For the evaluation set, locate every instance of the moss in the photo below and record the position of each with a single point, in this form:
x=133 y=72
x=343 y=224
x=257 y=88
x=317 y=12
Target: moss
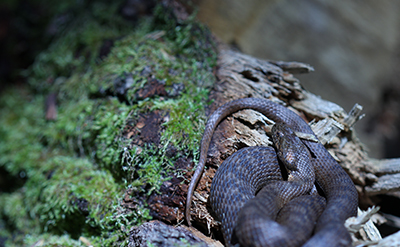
x=52 y=241
x=77 y=47
x=75 y=170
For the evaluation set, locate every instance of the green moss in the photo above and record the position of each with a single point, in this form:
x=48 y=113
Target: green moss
x=49 y=240
x=77 y=47
x=73 y=190
x=77 y=168
x=185 y=127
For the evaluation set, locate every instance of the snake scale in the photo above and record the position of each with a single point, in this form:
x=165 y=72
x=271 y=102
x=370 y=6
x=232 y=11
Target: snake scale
x=337 y=187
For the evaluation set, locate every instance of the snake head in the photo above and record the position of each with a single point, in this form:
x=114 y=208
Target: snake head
x=287 y=145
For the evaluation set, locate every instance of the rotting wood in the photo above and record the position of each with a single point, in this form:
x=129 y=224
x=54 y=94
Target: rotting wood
x=326 y=129
x=385 y=184
x=293 y=67
x=363 y=224
x=387 y=176
x=158 y=233
x=385 y=166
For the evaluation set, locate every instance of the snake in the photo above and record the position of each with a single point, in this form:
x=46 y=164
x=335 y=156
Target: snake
x=252 y=179
x=334 y=183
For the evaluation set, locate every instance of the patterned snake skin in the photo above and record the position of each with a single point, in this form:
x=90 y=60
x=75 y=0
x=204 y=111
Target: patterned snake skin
x=255 y=169
x=339 y=191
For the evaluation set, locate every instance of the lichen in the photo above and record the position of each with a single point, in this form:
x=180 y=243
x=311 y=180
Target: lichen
x=70 y=175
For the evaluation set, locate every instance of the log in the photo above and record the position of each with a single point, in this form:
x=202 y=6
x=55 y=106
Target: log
x=241 y=76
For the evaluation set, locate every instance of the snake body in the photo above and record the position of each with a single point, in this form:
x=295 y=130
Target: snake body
x=256 y=169
x=339 y=190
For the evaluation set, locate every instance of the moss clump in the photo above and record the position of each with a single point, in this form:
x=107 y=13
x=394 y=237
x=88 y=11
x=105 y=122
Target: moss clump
x=71 y=173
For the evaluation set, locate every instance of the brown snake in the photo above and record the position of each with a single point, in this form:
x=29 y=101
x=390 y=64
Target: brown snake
x=339 y=190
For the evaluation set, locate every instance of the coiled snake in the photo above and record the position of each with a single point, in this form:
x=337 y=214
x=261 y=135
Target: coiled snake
x=337 y=187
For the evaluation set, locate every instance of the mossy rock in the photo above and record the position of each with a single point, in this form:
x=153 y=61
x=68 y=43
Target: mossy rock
x=67 y=176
